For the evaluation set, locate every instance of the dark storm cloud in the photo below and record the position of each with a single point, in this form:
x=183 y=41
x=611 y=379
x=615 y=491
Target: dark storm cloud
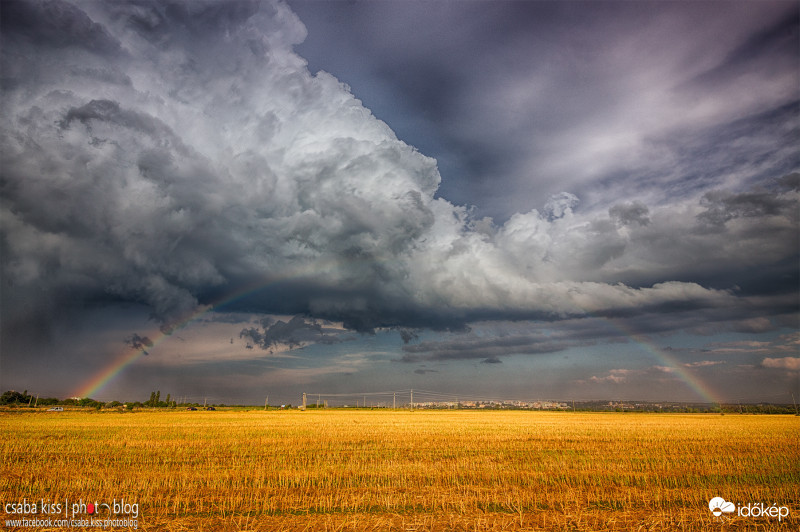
x=295 y=333
x=538 y=93
x=745 y=240
x=109 y=113
x=539 y=338
x=135 y=341
x=790 y=181
x=58 y=23
x=140 y=195
x=175 y=153
x=408 y=335
x=490 y=349
x=723 y=206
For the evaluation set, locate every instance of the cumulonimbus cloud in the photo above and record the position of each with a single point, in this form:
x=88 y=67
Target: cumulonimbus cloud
x=172 y=153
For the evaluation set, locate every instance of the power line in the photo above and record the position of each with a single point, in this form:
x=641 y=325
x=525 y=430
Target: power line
x=382 y=397
x=353 y=394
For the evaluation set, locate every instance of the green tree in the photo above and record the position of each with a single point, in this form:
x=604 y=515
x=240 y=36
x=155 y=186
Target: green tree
x=88 y=401
x=13 y=397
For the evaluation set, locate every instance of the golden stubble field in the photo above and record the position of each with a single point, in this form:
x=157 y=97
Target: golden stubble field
x=407 y=471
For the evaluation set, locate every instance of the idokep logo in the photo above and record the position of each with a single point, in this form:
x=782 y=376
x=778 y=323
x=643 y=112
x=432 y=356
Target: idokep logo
x=720 y=506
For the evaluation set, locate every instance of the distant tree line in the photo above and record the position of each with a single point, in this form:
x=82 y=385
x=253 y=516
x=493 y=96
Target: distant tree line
x=17 y=399
x=14 y=398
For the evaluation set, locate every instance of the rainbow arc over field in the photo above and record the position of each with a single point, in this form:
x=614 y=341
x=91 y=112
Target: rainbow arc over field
x=701 y=388
x=131 y=355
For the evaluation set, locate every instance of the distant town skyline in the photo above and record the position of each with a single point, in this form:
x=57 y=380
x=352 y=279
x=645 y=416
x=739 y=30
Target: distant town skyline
x=525 y=200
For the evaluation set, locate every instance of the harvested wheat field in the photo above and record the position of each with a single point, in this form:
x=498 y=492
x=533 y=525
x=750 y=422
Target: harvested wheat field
x=398 y=470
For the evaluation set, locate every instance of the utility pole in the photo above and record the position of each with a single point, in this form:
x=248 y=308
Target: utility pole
x=37 y=401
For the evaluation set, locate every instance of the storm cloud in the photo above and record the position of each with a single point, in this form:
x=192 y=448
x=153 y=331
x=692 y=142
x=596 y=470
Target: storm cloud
x=135 y=341
x=294 y=333
x=600 y=100
x=174 y=155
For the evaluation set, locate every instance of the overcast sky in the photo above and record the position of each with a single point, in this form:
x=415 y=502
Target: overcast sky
x=528 y=200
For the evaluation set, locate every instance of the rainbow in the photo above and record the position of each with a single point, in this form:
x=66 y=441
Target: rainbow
x=703 y=390
x=104 y=377
x=131 y=355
